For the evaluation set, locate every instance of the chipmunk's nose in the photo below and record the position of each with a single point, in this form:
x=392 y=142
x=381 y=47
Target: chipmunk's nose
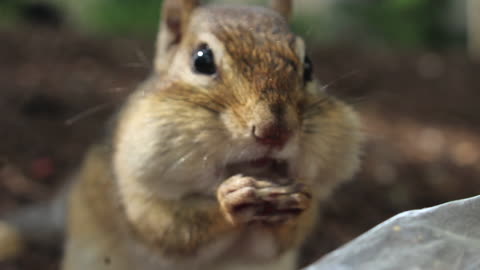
x=272 y=134
x=273 y=124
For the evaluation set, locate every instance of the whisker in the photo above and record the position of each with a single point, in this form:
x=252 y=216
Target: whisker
x=142 y=60
x=135 y=65
x=204 y=106
x=180 y=160
x=356 y=100
x=311 y=114
x=343 y=77
x=142 y=57
x=317 y=103
x=225 y=160
x=205 y=159
x=87 y=113
x=212 y=99
x=311 y=128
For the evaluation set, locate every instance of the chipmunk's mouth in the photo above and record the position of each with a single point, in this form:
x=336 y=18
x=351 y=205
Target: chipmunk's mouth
x=266 y=168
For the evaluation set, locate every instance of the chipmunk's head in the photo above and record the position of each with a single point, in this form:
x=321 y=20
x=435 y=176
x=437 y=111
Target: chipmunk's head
x=242 y=61
x=235 y=94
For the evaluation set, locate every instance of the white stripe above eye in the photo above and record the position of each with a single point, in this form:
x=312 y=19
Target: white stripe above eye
x=300 y=51
x=300 y=48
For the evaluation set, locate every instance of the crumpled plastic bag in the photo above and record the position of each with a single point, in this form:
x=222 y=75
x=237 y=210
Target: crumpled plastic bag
x=444 y=237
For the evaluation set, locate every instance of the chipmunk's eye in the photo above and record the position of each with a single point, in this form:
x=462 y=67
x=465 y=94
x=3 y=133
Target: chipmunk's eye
x=203 y=60
x=307 y=70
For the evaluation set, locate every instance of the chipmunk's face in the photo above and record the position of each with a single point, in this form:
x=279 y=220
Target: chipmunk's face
x=237 y=98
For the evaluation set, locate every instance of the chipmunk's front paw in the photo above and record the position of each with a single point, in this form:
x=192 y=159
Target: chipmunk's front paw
x=246 y=199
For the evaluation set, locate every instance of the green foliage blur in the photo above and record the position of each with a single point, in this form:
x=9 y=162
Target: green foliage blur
x=124 y=17
x=394 y=23
x=8 y=13
x=98 y=17
x=406 y=23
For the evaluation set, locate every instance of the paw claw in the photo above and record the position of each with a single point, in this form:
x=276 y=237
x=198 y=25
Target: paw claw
x=245 y=200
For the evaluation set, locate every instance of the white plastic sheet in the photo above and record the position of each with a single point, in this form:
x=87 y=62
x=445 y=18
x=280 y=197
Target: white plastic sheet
x=444 y=237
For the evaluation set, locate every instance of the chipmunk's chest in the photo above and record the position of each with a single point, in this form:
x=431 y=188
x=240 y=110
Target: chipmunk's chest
x=256 y=244
x=250 y=249
x=254 y=248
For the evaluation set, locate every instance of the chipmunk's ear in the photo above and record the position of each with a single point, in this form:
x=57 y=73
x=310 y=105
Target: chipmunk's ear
x=175 y=18
x=284 y=7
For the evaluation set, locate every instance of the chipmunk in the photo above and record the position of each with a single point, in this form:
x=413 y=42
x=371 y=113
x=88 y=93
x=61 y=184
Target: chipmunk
x=221 y=158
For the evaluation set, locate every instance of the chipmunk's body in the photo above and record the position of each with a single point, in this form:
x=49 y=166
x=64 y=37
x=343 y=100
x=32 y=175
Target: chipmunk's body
x=219 y=159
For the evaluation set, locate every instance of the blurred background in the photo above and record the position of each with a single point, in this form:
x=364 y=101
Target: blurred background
x=411 y=67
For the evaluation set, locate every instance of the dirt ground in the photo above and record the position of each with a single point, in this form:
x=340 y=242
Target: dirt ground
x=420 y=111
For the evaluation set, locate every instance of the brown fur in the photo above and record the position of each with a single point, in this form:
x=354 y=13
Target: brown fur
x=283 y=7
x=162 y=193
